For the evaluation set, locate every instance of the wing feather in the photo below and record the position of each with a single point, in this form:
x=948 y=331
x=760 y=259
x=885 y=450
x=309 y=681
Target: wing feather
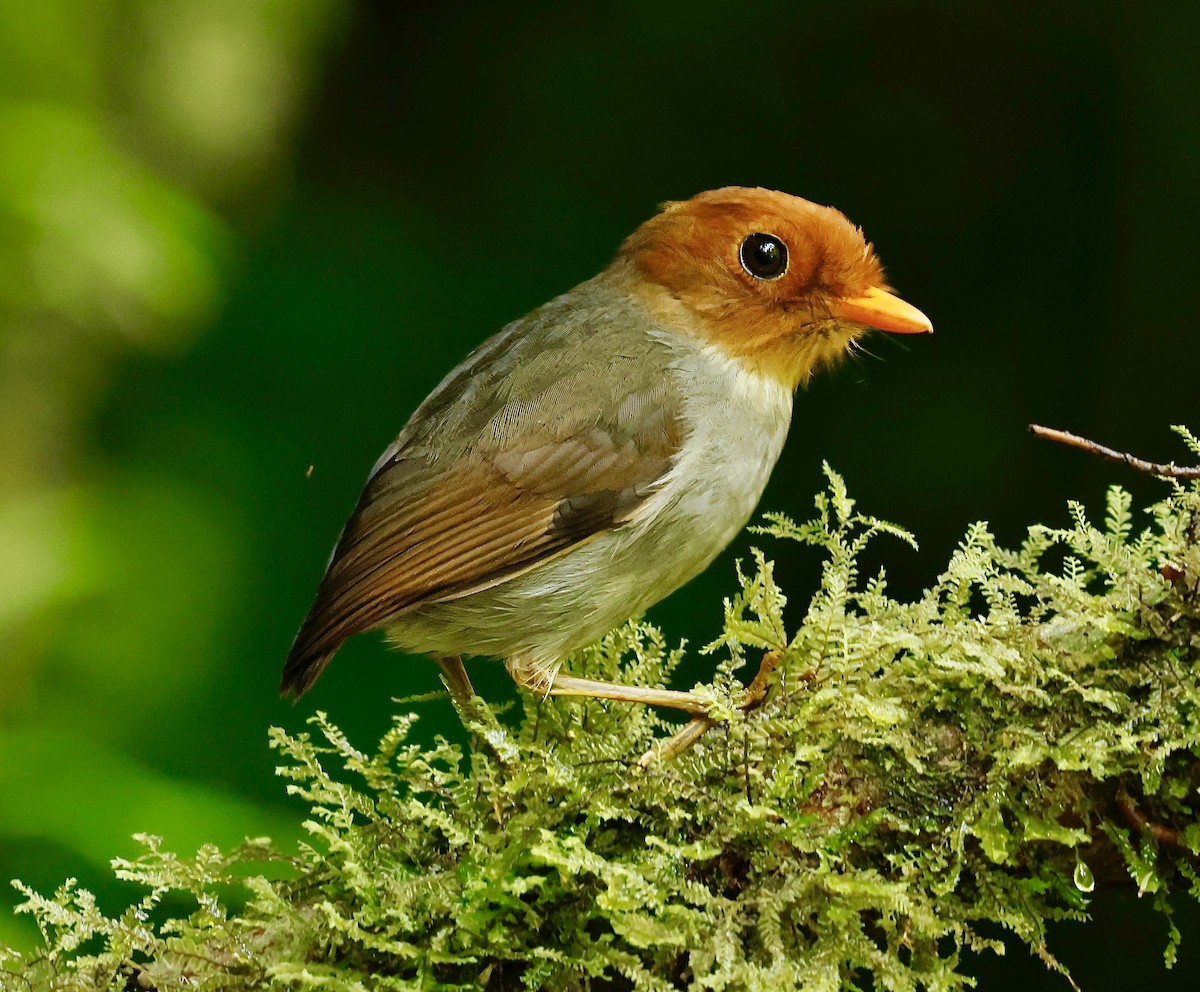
x=563 y=445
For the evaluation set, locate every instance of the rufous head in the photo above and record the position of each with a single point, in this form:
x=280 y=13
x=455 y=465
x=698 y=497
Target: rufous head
x=776 y=281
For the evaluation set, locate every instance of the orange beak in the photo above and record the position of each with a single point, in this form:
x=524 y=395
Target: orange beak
x=883 y=311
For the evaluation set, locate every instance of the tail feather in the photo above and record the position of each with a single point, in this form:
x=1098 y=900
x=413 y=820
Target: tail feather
x=306 y=661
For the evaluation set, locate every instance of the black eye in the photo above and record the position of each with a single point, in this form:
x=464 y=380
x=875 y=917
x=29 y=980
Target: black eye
x=764 y=256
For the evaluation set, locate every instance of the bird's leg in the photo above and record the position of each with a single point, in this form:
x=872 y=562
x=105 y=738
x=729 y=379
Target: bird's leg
x=570 y=685
x=455 y=679
x=537 y=679
x=699 y=725
x=470 y=708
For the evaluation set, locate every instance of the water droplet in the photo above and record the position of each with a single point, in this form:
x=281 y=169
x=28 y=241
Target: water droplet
x=1085 y=881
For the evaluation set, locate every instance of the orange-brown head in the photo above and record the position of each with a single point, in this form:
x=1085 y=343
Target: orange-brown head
x=771 y=279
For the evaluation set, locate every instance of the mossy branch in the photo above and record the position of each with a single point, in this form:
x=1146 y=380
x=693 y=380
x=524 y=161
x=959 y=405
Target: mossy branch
x=984 y=755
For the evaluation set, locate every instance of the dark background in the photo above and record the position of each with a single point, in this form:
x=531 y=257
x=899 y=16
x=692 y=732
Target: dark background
x=240 y=240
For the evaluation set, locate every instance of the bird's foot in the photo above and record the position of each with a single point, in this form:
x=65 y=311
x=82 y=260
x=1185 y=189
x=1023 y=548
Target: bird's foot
x=752 y=697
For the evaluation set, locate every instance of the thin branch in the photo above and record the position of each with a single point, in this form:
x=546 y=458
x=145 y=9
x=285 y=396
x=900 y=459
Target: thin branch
x=1141 y=822
x=1171 y=471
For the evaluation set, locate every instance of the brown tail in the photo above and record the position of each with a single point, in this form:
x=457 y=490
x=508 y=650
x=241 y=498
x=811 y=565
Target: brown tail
x=311 y=652
x=300 y=672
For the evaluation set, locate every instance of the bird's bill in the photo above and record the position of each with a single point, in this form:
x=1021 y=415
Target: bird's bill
x=883 y=311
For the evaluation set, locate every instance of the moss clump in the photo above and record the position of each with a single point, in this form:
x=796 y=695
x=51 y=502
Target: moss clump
x=920 y=770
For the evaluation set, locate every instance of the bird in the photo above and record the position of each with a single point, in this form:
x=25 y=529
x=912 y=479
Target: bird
x=596 y=454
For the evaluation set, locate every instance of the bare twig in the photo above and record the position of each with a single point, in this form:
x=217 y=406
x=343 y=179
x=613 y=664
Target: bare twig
x=1141 y=822
x=1171 y=471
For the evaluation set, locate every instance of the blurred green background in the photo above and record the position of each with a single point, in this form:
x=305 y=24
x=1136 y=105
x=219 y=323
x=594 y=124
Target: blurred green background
x=240 y=240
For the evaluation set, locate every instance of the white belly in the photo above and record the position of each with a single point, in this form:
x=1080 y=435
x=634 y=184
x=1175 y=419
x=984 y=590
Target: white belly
x=737 y=422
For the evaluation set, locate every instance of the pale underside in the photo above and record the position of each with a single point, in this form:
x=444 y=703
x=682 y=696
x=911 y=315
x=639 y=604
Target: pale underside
x=551 y=453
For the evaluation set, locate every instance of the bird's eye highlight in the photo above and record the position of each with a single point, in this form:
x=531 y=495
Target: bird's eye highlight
x=764 y=256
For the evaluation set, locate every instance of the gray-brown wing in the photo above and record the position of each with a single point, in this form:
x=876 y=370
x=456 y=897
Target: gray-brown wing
x=568 y=445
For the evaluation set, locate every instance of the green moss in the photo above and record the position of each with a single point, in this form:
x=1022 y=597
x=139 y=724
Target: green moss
x=921 y=771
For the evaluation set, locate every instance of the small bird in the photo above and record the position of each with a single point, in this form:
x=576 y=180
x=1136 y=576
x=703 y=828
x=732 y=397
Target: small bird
x=598 y=453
